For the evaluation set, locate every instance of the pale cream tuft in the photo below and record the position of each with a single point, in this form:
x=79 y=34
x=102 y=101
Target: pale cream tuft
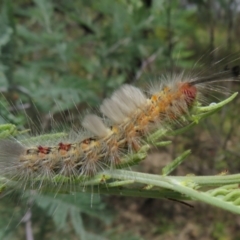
x=94 y=124
x=123 y=102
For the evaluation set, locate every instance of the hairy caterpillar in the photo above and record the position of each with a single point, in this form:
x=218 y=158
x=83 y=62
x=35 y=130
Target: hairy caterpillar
x=128 y=116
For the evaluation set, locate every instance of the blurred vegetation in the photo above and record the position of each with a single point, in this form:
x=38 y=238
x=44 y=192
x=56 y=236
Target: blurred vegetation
x=59 y=57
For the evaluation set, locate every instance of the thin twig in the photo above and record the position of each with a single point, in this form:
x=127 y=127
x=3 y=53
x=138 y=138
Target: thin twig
x=27 y=220
x=145 y=63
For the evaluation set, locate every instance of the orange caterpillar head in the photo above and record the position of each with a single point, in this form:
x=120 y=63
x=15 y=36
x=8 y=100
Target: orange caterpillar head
x=189 y=91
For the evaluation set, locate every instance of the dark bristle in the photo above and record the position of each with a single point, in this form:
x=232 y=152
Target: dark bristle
x=233 y=72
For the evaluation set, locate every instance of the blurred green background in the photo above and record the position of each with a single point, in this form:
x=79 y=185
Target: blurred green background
x=60 y=57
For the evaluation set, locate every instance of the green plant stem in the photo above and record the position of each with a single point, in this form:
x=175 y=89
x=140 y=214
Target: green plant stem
x=201 y=181
x=177 y=184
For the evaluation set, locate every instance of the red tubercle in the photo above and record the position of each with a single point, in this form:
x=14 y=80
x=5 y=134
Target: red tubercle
x=44 y=150
x=64 y=146
x=190 y=92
